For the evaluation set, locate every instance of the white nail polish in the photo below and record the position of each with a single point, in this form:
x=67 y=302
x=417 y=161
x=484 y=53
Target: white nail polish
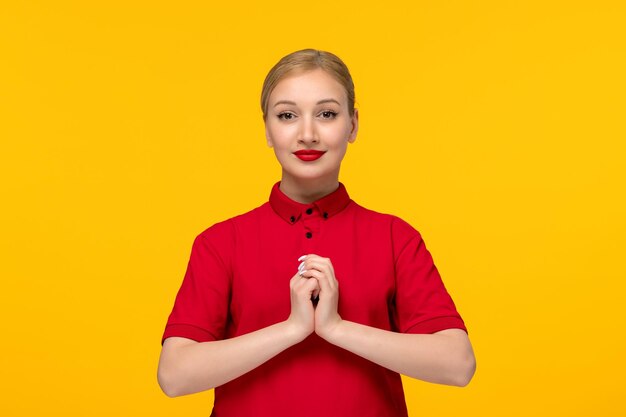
x=301 y=266
x=302 y=257
x=302 y=272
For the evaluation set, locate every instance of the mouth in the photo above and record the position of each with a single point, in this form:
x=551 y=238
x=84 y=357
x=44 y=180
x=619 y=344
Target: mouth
x=309 y=154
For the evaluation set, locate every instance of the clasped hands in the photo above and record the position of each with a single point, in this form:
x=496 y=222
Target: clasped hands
x=315 y=278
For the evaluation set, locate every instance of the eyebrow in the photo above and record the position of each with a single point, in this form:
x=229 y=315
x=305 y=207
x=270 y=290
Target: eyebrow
x=326 y=100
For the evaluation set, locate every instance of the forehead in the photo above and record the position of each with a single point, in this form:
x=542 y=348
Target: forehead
x=308 y=85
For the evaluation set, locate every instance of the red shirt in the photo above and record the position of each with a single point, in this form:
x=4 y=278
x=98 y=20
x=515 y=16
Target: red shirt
x=237 y=281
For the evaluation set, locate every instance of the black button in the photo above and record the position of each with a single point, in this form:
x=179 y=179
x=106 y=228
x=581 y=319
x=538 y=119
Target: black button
x=309 y=211
x=325 y=215
x=293 y=219
x=309 y=235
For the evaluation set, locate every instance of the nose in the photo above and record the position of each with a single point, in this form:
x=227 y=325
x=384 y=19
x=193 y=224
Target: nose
x=308 y=132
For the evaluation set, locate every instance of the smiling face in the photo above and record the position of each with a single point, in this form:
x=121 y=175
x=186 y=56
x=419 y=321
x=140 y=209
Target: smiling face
x=309 y=126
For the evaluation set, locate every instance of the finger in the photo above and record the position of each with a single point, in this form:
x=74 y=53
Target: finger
x=316 y=258
x=310 y=286
x=311 y=273
x=316 y=291
x=323 y=279
x=302 y=260
x=323 y=268
x=298 y=283
x=300 y=279
x=325 y=283
x=293 y=280
x=312 y=257
x=315 y=264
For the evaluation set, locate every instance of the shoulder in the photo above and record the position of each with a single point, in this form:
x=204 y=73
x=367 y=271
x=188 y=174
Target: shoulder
x=397 y=226
x=398 y=234
x=227 y=229
x=219 y=241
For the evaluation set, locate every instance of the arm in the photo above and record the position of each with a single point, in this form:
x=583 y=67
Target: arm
x=186 y=366
x=445 y=357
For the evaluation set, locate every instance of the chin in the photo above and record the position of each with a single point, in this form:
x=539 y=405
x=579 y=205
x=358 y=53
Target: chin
x=308 y=174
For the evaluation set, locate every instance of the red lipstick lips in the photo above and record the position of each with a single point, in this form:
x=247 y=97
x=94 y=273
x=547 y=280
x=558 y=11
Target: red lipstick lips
x=309 y=154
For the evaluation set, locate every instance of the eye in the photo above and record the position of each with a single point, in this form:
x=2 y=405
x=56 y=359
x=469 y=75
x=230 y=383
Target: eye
x=286 y=115
x=328 y=114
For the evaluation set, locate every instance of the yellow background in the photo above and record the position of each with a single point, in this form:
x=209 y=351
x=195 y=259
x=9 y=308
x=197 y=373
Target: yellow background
x=496 y=128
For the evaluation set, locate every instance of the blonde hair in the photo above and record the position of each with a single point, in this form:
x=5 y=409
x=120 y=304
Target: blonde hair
x=307 y=60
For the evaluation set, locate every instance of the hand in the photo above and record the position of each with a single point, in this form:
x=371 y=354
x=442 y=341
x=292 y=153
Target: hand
x=326 y=315
x=302 y=316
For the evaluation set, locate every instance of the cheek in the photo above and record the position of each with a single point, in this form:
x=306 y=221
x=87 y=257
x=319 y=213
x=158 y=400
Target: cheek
x=276 y=139
x=281 y=134
x=339 y=136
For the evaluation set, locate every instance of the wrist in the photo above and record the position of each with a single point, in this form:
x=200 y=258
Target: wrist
x=332 y=334
x=294 y=332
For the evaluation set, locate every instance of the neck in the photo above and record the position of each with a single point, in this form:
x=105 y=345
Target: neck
x=307 y=190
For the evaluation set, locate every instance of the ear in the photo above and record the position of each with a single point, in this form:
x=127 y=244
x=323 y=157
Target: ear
x=355 y=126
x=268 y=138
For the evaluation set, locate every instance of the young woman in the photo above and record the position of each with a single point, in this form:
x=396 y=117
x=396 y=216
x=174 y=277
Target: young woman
x=310 y=304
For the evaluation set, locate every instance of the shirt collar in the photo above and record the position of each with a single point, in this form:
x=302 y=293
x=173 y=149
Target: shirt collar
x=291 y=210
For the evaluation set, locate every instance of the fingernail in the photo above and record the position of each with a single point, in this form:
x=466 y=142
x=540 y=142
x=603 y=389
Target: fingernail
x=301 y=266
x=302 y=257
x=302 y=272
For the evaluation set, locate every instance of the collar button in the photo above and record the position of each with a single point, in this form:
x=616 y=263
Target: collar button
x=292 y=219
x=309 y=211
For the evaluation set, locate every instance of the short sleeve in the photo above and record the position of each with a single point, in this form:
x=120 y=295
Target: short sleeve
x=201 y=306
x=422 y=303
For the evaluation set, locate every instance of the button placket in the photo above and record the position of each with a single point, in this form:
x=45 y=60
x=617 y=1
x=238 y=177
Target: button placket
x=311 y=223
